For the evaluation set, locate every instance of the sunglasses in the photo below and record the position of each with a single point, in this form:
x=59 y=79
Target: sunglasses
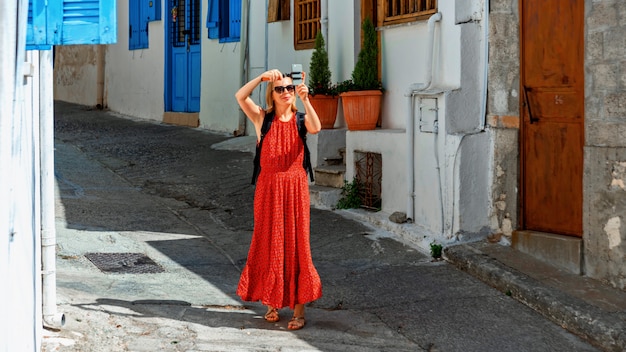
x=280 y=89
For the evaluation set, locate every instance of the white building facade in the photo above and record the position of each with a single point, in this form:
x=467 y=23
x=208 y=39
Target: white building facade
x=454 y=117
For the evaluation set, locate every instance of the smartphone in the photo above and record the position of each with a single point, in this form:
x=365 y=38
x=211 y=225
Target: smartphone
x=296 y=73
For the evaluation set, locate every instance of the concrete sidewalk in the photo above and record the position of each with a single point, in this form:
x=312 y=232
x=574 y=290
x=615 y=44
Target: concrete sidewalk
x=168 y=195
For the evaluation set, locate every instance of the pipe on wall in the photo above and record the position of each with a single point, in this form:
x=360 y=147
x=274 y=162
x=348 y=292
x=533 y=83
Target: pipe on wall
x=46 y=158
x=483 y=106
x=100 y=99
x=414 y=89
x=324 y=22
x=244 y=61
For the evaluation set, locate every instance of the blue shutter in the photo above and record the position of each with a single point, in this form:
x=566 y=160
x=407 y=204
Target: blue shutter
x=36 y=28
x=230 y=16
x=71 y=22
x=213 y=19
x=153 y=10
x=140 y=13
x=234 y=17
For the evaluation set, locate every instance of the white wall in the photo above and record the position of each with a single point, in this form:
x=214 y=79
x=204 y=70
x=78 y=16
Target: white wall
x=134 y=79
x=20 y=206
x=76 y=81
x=451 y=182
x=221 y=72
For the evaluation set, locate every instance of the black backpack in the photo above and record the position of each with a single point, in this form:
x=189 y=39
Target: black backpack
x=267 y=123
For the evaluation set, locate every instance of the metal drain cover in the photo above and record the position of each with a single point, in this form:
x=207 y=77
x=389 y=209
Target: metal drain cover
x=124 y=263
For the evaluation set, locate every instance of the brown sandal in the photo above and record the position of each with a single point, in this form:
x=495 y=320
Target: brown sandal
x=272 y=315
x=296 y=323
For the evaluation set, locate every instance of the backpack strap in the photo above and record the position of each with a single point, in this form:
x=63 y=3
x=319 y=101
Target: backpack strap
x=306 y=163
x=267 y=123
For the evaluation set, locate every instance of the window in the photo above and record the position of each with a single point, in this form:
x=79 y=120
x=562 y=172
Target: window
x=224 y=20
x=184 y=22
x=140 y=13
x=70 y=22
x=399 y=11
x=278 y=10
x=307 y=23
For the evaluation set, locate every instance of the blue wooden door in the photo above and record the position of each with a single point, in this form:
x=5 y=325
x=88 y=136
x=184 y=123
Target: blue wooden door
x=184 y=56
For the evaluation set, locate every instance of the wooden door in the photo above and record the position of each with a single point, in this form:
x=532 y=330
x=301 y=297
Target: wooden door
x=552 y=112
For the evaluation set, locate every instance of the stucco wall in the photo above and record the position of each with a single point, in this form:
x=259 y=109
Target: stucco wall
x=134 y=79
x=77 y=79
x=605 y=142
x=221 y=78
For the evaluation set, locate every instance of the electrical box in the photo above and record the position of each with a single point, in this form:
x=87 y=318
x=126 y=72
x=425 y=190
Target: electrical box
x=428 y=115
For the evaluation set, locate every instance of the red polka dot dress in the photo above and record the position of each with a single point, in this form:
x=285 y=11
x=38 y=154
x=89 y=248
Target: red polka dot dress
x=279 y=271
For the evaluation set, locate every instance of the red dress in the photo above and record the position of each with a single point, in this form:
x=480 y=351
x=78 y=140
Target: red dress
x=279 y=271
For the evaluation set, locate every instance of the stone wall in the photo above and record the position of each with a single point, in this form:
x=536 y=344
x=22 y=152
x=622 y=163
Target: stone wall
x=605 y=141
x=503 y=114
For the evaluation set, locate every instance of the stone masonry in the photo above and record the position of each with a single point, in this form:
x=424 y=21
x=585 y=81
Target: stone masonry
x=605 y=142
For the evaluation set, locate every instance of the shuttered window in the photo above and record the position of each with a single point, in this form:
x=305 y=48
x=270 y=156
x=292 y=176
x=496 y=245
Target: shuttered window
x=307 y=23
x=70 y=22
x=400 y=11
x=140 y=14
x=224 y=20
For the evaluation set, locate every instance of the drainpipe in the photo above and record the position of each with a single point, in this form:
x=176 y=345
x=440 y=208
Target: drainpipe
x=324 y=21
x=410 y=124
x=244 y=63
x=100 y=101
x=481 y=126
x=46 y=154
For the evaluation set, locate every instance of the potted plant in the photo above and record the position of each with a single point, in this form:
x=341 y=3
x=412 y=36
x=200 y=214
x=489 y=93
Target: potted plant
x=362 y=95
x=323 y=95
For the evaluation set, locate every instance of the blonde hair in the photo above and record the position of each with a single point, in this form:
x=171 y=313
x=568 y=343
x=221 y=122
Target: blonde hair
x=269 y=99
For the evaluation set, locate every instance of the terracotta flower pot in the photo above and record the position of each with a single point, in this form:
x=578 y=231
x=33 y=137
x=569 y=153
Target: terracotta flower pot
x=326 y=108
x=361 y=109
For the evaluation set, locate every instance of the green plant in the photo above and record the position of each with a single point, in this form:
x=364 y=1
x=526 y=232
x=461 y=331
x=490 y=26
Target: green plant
x=365 y=73
x=351 y=195
x=320 y=75
x=435 y=250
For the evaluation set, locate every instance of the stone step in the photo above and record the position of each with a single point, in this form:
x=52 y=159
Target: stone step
x=323 y=197
x=335 y=160
x=330 y=175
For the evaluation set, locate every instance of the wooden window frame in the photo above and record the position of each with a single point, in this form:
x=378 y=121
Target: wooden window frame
x=278 y=10
x=307 y=16
x=392 y=12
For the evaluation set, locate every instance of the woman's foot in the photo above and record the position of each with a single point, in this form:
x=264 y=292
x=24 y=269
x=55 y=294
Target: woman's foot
x=272 y=315
x=296 y=323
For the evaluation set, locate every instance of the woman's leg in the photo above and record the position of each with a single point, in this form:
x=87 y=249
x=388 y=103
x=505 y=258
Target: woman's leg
x=272 y=315
x=297 y=322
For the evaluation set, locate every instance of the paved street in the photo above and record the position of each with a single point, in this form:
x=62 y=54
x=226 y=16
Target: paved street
x=181 y=199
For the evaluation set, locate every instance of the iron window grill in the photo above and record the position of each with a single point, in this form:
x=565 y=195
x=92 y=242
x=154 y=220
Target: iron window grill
x=185 y=22
x=369 y=173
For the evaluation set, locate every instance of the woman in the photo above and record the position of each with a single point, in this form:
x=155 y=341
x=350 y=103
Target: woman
x=279 y=271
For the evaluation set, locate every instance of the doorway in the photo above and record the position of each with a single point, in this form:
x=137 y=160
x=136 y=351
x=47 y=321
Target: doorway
x=183 y=57
x=552 y=116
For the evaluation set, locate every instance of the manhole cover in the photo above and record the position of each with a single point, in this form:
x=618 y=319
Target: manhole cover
x=124 y=263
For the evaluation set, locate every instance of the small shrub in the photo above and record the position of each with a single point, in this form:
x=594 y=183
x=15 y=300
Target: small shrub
x=320 y=75
x=351 y=195
x=365 y=74
x=435 y=250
